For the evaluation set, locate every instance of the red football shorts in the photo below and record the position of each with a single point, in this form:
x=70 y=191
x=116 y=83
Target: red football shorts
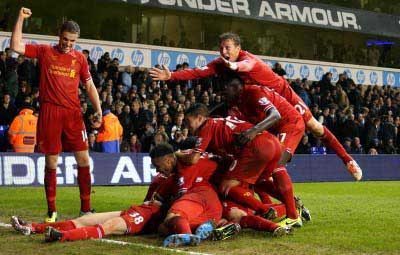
x=290 y=134
x=60 y=129
x=298 y=103
x=264 y=150
x=199 y=205
x=142 y=218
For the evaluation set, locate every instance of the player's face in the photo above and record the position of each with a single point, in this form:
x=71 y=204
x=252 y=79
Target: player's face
x=232 y=92
x=67 y=41
x=194 y=122
x=164 y=165
x=229 y=50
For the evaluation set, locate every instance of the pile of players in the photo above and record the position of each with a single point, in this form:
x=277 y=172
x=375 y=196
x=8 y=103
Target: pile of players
x=209 y=191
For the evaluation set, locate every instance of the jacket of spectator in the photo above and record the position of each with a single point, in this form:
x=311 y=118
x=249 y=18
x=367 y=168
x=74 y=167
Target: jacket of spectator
x=22 y=132
x=110 y=133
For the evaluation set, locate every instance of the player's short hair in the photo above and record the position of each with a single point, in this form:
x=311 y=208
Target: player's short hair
x=232 y=78
x=230 y=36
x=71 y=27
x=161 y=150
x=197 y=109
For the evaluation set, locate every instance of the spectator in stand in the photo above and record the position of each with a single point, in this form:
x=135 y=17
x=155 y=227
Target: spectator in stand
x=278 y=69
x=304 y=146
x=134 y=144
x=373 y=151
x=126 y=79
x=22 y=131
x=318 y=148
x=93 y=145
x=389 y=148
x=3 y=66
x=347 y=144
x=325 y=84
x=7 y=110
x=110 y=132
x=357 y=147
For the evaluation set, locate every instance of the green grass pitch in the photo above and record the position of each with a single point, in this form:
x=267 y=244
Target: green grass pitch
x=348 y=218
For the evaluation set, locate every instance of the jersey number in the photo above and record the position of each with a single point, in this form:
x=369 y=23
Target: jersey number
x=301 y=107
x=137 y=218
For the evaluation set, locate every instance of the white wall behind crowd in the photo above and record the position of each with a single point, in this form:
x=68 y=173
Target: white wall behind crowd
x=148 y=56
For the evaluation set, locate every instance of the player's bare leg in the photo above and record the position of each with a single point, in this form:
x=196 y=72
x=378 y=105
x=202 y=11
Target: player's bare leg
x=115 y=225
x=84 y=180
x=50 y=185
x=331 y=141
x=28 y=228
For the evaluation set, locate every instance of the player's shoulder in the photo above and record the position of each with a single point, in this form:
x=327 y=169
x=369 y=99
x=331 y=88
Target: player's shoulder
x=79 y=55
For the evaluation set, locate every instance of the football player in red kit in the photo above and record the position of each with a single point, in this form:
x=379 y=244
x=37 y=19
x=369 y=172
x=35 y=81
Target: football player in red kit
x=218 y=136
x=137 y=219
x=253 y=70
x=197 y=207
x=60 y=124
x=253 y=104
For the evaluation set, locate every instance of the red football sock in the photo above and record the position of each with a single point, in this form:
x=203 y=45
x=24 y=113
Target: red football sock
x=61 y=225
x=244 y=196
x=280 y=210
x=266 y=188
x=178 y=225
x=332 y=142
x=257 y=223
x=285 y=188
x=95 y=232
x=84 y=182
x=50 y=186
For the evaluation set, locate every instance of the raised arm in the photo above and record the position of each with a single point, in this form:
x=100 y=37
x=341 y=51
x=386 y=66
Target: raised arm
x=16 y=37
x=187 y=74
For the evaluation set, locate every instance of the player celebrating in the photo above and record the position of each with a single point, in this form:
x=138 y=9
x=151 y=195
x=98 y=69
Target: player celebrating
x=60 y=124
x=137 y=219
x=253 y=70
x=217 y=135
x=253 y=104
x=198 y=204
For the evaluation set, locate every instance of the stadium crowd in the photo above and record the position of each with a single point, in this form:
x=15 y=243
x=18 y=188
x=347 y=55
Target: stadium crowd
x=366 y=119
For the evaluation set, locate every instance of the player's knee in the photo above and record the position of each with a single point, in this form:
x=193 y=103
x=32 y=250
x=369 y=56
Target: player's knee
x=236 y=214
x=51 y=161
x=170 y=216
x=315 y=127
x=82 y=158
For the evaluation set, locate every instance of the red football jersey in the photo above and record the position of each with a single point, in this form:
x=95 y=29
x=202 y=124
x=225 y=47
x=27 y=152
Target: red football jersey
x=162 y=188
x=191 y=176
x=255 y=101
x=216 y=135
x=60 y=74
x=251 y=69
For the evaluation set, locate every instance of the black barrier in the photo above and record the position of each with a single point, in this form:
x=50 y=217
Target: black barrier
x=291 y=12
x=136 y=169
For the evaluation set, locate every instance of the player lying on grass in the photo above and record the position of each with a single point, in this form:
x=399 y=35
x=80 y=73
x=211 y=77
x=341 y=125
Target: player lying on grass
x=147 y=217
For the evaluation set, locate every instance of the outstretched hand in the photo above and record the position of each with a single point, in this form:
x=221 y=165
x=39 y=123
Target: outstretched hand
x=231 y=65
x=160 y=74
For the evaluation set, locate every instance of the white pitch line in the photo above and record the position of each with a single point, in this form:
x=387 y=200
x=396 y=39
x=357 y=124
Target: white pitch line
x=5 y=225
x=151 y=247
